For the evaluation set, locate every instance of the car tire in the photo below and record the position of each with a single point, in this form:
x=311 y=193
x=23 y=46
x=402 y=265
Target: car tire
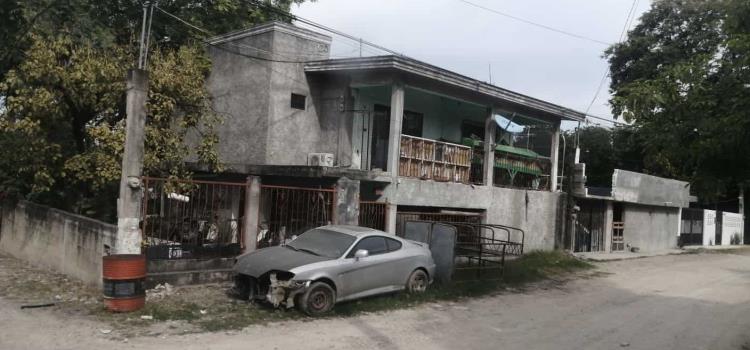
x=318 y=299
x=417 y=282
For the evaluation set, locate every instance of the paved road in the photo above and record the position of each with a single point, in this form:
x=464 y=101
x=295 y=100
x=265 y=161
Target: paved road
x=669 y=302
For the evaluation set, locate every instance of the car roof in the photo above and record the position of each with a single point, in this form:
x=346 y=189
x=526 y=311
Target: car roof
x=356 y=231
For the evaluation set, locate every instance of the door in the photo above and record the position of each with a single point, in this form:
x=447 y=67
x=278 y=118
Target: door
x=381 y=123
x=366 y=274
x=618 y=228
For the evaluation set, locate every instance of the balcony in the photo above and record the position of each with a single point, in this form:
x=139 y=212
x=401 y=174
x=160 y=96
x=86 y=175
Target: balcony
x=434 y=160
x=514 y=167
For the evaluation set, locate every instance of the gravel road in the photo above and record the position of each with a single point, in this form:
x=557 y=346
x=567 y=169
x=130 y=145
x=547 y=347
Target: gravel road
x=692 y=301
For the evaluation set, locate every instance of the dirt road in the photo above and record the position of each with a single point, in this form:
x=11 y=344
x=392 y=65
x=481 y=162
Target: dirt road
x=695 y=301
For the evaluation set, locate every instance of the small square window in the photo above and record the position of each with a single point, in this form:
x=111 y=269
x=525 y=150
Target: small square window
x=298 y=101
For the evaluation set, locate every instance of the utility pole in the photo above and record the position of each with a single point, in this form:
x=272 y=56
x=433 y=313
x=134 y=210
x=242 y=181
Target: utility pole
x=128 y=239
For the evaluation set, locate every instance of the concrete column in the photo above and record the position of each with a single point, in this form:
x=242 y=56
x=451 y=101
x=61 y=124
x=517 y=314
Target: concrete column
x=394 y=137
x=608 y=219
x=251 y=222
x=128 y=240
x=390 y=218
x=555 y=144
x=347 y=202
x=489 y=148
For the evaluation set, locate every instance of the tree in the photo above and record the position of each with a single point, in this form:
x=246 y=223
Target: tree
x=62 y=104
x=681 y=79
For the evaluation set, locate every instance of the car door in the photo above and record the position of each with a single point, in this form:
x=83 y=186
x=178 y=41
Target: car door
x=368 y=273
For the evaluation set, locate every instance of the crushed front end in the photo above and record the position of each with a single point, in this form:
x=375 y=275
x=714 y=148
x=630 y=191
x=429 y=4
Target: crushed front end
x=278 y=288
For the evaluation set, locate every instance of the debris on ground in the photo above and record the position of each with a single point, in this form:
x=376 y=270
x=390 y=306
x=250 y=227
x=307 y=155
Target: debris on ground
x=105 y=331
x=35 y=306
x=159 y=292
x=147 y=317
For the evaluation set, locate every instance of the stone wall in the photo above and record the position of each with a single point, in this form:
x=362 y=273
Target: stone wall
x=55 y=239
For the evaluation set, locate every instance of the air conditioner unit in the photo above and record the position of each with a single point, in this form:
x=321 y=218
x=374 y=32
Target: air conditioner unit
x=320 y=159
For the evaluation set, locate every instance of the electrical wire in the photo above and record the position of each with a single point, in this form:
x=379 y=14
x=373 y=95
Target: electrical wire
x=543 y=26
x=628 y=22
x=204 y=31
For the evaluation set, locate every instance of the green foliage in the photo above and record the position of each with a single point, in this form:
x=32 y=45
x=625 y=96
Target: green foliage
x=681 y=78
x=604 y=150
x=62 y=94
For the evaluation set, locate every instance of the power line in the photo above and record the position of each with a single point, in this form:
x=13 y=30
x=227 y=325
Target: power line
x=628 y=22
x=543 y=26
x=204 y=31
x=320 y=26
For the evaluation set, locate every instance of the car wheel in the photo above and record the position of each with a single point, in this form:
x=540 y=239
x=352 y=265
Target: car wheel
x=417 y=282
x=318 y=299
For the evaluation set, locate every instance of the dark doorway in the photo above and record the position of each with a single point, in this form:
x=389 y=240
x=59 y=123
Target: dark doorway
x=381 y=122
x=719 y=224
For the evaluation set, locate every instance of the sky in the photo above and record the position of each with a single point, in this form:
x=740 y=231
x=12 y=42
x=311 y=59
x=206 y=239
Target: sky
x=468 y=40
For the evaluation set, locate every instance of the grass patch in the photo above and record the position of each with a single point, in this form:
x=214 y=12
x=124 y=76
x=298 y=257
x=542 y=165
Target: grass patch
x=532 y=267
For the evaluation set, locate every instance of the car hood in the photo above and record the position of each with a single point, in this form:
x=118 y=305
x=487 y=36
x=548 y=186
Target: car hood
x=274 y=258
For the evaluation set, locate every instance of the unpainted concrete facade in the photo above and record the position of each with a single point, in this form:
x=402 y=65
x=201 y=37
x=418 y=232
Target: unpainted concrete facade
x=255 y=71
x=650 y=209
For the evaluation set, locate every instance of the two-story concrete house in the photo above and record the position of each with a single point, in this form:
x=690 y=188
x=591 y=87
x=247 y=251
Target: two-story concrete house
x=398 y=138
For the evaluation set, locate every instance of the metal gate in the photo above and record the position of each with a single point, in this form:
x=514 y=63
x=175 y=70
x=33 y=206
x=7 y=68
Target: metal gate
x=403 y=217
x=191 y=219
x=372 y=214
x=286 y=212
x=590 y=226
x=691 y=230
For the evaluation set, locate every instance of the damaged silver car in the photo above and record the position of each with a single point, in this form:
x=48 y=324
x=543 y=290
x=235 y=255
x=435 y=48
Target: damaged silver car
x=331 y=264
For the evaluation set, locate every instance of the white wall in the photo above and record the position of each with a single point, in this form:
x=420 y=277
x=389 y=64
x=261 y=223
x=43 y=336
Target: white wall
x=709 y=227
x=731 y=226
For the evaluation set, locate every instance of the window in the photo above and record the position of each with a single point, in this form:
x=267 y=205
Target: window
x=393 y=245
x=374 y=245
x=412 y=124
x=298 y=101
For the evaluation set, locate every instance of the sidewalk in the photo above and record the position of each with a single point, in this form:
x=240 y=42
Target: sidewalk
x=625 y=255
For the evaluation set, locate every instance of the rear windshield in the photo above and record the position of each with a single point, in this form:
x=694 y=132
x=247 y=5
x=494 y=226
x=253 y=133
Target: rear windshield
x=323 y=242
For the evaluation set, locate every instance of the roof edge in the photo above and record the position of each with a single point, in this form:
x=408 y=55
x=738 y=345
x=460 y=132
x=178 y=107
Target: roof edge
x=424 y=69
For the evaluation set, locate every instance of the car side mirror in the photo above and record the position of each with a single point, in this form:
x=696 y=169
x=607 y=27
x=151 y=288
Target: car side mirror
x=361 y=253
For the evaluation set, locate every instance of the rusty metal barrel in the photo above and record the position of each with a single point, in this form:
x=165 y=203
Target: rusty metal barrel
x=124 y=276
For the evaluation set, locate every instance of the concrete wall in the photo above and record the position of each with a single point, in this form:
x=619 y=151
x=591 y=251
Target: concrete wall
x=251 y=90
x=709 y=227
x=731 y=227
x=632 y=187
x=651 y=228
x=57 y=240
x=535 y=212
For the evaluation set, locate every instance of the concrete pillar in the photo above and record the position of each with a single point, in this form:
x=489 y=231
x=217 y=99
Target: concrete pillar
x=390 y=218
x=251 y=222
x=394 y=136
x=608 y=220
x=553 y=157
x=489 y=148
x=128 y=240
x=347 y=202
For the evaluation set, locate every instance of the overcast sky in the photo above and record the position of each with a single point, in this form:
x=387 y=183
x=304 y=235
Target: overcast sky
x=466 y=39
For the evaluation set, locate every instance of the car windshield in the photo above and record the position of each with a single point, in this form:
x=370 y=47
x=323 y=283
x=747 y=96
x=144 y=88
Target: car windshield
x=323 y=242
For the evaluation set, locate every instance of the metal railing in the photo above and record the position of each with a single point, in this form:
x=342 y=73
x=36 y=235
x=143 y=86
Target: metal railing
x=372 y=214
x=286 y=212
x=403 y=217
x=434 y=160
x=192 y=219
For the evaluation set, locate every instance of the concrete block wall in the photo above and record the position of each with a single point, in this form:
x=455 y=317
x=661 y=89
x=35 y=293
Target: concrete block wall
x=535 y=212
x=55 y=239
x=651 y=228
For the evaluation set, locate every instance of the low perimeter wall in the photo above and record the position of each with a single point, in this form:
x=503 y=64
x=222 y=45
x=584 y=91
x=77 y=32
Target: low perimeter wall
x=55 y=239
